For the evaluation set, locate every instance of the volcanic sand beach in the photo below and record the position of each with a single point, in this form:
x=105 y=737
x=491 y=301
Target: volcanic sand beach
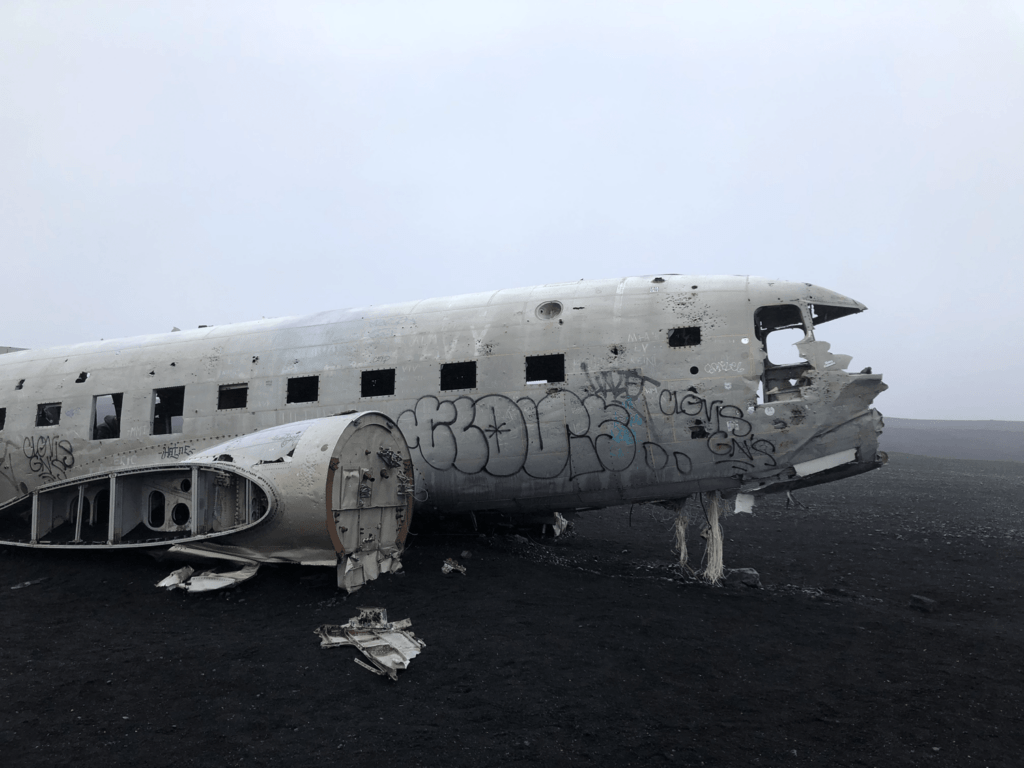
x=588 y=651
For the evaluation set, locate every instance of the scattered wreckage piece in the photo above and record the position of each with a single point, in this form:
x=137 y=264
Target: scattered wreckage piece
x=30 y=583
x=389 y=646
x=451 y=565
x=207 y=581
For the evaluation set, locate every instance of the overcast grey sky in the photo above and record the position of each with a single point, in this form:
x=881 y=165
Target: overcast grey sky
x=176 y=164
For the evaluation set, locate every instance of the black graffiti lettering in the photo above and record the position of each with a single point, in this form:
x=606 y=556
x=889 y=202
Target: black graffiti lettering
x=765 y=448
x=655 y=456
x=615 y=385
x=729 y=432
x=504 y=439
x=720 y=444
x=683 y=462
x=594 y=433
x=735 y=423
x=49 y=457
x=472 y=450
x=549 y=426
x=174 y=451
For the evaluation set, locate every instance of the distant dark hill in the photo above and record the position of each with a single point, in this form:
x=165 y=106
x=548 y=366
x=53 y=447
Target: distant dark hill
x=984 y=440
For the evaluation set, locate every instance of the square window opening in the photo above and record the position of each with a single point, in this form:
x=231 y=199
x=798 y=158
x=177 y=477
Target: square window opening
x=106 y=416
x=48 y=414
x=545 y=369
x=684 y=337
x=303 y=389
x=231 y=396
x=168 y=410
x=378 y=383
x=458 y=376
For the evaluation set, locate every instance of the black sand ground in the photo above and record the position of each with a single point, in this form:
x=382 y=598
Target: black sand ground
x=582 y=653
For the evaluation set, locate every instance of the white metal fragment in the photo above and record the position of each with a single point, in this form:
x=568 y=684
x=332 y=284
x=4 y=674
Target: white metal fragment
x=388 y=645
x=744 y=503
x=24 y=584
x=451 y=564
x=208 y=581
x=176 y=578
x=805 y=468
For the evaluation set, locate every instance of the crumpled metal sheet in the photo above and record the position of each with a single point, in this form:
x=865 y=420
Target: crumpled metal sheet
x=207 y=581
x=450 y=565
x=389 y=646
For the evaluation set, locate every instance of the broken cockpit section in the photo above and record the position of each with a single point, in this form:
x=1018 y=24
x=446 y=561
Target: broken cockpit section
x=817 y=412
x=792 y=355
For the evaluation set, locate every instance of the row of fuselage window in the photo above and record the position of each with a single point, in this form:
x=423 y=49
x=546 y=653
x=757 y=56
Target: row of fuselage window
x=169 y=402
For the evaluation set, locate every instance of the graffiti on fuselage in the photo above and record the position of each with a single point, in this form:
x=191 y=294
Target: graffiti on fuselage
x=728 y=434
x=501 y=437
x=616 y=385
x=590 y=433
x=49 y=457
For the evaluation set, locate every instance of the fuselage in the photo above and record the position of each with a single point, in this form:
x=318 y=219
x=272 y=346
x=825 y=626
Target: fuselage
x=553 y=397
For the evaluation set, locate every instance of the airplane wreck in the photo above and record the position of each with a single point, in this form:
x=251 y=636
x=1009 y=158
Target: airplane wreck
x=315 y=439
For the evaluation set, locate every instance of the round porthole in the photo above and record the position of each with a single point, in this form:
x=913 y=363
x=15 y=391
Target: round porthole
x=180 y=514
x=549 y=310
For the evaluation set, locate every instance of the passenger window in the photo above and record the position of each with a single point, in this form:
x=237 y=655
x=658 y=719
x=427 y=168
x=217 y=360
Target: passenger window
x=106 y=416
x=684 y=337
x=3 y=417
x=168 y=410
x=378 y=383
x=157 y=507
x=232 y=396
x=303 y=389
x=458 y=376
x=48 y=414
x=545 y=369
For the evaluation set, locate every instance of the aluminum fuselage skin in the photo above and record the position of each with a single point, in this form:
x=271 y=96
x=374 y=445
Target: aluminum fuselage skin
x=635 y=419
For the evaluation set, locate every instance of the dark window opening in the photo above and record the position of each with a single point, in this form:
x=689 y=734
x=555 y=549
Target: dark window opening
x=48 y=414
x=777 y=318
x=822 y=313
x=378 y=383
x=168 y=410
x=180 y=514
x=698 y=431
x=684 y=337
x=96 y=520
x=3 y=417
x=106 y=420
x=458 y=375
x=156 y=510
x=780 y=328
x=304 y=389
x=232 y=396
x=73 y=508
x=785 y=324
x=544 y=369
